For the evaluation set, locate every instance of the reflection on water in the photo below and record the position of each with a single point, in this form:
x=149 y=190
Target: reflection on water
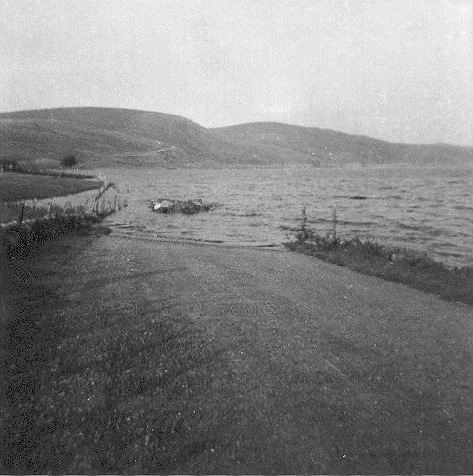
x=426 y=209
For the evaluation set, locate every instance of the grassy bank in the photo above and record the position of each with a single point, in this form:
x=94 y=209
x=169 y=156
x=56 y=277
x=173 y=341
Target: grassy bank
x=392 y=264
x=18 y=241
x=96 y=206
x=19 y=186
x=24 y=227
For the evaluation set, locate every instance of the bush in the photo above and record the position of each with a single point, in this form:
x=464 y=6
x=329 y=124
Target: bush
x=69 y=161
x=8 y=164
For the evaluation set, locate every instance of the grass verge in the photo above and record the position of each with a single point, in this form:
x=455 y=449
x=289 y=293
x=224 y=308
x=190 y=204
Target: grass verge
x=17 y=212
x=39 y=224
x=391 y=264
x=18 y=241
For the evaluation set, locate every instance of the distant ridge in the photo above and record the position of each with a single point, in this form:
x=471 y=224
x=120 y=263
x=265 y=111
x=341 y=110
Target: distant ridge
x=338 y=148
x=102 y=137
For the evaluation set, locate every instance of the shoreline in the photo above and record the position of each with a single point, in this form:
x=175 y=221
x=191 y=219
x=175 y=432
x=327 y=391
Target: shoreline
x=404 y=266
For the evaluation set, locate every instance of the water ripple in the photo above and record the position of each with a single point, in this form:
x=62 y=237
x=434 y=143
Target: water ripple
x=419 y=208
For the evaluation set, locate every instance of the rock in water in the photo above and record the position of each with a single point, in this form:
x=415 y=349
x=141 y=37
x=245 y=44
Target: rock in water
x=163 y=206
x=187 y=207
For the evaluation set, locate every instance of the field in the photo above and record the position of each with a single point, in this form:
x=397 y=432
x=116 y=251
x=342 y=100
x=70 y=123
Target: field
x=15 y=186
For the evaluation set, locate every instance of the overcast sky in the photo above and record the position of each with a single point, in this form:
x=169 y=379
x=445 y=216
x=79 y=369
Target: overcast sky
x=400 y=70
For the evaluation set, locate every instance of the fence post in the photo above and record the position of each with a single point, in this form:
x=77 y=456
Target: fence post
x=22 y=212
x=304 y=219
x=334 y=220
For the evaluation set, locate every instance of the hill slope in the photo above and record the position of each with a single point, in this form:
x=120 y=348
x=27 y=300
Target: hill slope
x=103 y=136
x=329 y=147
x=123 y=137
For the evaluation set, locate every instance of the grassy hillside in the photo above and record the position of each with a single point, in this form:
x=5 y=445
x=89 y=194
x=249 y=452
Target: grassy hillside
x=123 y=137
x=331 y=147
x=99 y=136
x=106 y=137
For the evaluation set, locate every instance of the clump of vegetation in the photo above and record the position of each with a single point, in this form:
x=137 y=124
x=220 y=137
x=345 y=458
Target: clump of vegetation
x=390 y=263
x=19 y=240
x=187 y=207
x=69 y=161
x=9 y=164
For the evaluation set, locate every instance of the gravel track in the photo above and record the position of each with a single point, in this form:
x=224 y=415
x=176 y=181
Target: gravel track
x=152 y=357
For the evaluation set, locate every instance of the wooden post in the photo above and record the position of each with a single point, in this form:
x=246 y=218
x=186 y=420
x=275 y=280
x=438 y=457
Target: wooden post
x=334 y=219
x=304 y=219
x=22 y=212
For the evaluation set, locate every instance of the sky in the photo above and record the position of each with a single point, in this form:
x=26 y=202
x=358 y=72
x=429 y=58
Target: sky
x=398 y=70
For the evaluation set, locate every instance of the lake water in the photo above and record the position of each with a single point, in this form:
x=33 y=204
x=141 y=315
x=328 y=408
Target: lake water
x=428 y=210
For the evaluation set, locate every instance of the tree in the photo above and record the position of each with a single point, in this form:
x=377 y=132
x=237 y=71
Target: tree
x=8 y=164
x=69 y=161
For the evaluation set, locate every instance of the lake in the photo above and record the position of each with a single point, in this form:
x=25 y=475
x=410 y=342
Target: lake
x=429 y=210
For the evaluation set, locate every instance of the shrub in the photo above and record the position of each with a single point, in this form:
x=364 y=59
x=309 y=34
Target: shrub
x=9 y=164
x=69 y=161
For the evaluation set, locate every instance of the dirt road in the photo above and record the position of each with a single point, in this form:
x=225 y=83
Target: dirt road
x=164 y=357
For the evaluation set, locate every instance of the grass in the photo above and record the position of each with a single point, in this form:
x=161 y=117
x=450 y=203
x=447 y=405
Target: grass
x=389 y=263
x=35 y=225
x=19 y=212
x=18 y=241
x=19 y=186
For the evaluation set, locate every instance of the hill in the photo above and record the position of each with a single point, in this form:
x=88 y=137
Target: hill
x=103 y=137
x=330 y=147
x=122 y=137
